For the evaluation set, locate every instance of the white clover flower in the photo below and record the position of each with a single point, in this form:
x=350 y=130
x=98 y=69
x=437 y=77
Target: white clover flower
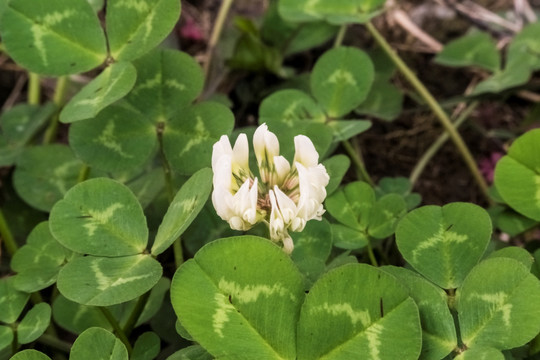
x=285 y=198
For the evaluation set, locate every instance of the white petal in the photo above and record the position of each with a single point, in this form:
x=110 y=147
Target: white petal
x=222 y=147
x=286 y=206
x=266 y=146
x=241 y=152
x=305 y=152
x=282 y=168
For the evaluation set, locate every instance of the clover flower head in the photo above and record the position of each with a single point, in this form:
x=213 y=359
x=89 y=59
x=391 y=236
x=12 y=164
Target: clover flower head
x=285 y=197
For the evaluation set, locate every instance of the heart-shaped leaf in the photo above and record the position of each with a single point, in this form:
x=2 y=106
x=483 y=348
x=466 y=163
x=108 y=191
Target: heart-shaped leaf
x=38 y=262
x=30 y=354
x=444 y=243
x=103 y=281
x=34 y=323
x=185 y=206
x=110 y=347
x=117 y=139
x=338 y=12
x=53 y=37
x=480 y=353
x=135 y=27
x=438 y=330
x=6 y=337
x=357 y=309
x=341 y=80
x=189 y=136
x=494 y=305
x=100 y=217
x=109 y=86
x=12 y=301
x=517 y=175
x=239 y=298
x=477 y=49
x=146 y=347
x=352 y=204
x=167 y=81
x=44 y=174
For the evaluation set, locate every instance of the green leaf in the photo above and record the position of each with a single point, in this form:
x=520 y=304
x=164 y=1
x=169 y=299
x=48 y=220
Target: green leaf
x=494 y=305
x=44 y=174
x=346 y=129
x=190 y=135
x=385 y=214
x=510 y=77
x=53 y=37
x=185 y=206
x=12 y=301
x=38 y=262
x=134 y=27
x=474 y=49
x=146 y=347
x=444 y=243
x=348 y=238
x=524 y=50
x=34 y=323
x=75 y=317
x=480 y=353
x=513 y=252
x=384 y=101
x=337 y=167
x=19 y=124
x=341 y=80
x=239 y=298
x=6 y=337
x=102 y=281
x=357 y=309
x=97 y=343
x=517 y=175
x=167 y=80
x=352 y=204
x=338 y=12
x=147 y=186
x=290 y=106
x=100 y=217
x=312 y=247
x=438 y=330
x=193 y=352
x=400 y=186
x=30 y=354
x=117 y=139
x=513 y=223
x=109 y=86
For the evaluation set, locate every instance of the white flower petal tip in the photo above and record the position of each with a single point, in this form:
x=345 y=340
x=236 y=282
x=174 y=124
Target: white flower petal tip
x=305 y=152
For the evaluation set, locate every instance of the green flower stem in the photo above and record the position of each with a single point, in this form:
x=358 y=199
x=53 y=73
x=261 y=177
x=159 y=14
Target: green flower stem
x=371 y=254
x=216 y=33
x=435 y=147
x=7 y=235
x=58 y=100
x=34 y=89
x=178 y=252
x=136 y=313
x=340 y=36
x=361 y=172
x=116 y=327
x=435 y=107
x=83 y=173
x=54 y=342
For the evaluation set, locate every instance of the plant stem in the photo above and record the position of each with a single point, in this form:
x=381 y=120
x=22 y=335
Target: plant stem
x=178 y=252
x=340 y=36
x=435 y=147
x=435 y=107
x=116 y=327
x=358 y=163
x=83 y=173
x=136 y=313
x=53 y=342
x=34 y=89
x=7 y=235
x=371 y=254
x=58 y=100
x=216 y=33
